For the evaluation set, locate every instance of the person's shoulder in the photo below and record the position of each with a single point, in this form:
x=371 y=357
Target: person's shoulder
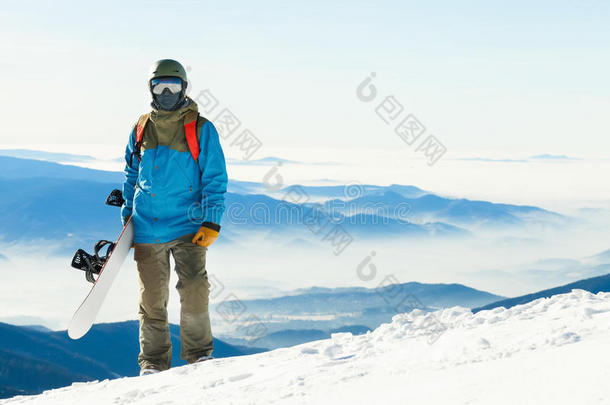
x=144 y=116
x=141 y=120
x=204 y=123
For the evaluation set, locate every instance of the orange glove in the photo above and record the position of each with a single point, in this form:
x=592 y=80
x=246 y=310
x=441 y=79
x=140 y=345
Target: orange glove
x=205 y=236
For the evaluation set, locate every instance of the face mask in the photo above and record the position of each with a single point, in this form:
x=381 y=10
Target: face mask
x=167 y=100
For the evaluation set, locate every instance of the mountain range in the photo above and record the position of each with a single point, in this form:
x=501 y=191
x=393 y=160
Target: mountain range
x=318 y=312
x=47 y=201
x=593 y=285
x=33 y=359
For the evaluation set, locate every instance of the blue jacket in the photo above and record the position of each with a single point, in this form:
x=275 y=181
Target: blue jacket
x=168 y=193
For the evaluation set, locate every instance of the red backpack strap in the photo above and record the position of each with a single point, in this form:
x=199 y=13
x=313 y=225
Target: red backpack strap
x=190 y=130
x=140 y=127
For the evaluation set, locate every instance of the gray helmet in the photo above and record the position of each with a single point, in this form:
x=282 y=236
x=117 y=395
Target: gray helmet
x=167 y=67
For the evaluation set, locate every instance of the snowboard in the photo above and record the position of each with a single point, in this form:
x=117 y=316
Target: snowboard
x=106 y=268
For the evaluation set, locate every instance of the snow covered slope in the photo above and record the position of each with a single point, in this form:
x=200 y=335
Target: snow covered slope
x=549 y=351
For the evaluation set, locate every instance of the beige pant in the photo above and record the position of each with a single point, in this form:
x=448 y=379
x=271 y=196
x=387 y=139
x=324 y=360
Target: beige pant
x=154 y=273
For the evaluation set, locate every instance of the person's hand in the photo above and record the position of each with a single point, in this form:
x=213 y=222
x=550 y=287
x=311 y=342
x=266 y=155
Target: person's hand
x=205 y=236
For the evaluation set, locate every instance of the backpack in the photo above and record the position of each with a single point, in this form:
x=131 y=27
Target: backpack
x=191 y=121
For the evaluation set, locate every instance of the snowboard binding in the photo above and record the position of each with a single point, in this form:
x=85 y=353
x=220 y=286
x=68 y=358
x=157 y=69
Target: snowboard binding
x=92 y=264
x=115 y=198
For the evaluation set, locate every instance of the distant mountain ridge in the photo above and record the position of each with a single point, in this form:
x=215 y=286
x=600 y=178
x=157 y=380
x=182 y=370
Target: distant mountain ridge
x=593 y=285
x=44 y=155
x=430 y=207
x=602 y=257
x=18 y=168
x=64 y=204
x=292 y=337
x=431 y=294
x=323 y=309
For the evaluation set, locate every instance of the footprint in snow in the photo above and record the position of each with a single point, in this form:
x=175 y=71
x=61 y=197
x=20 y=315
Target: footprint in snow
x=484 y=343
x=240 y=377
x=333 y=351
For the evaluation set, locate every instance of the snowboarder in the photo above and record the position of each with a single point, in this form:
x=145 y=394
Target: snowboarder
x=175 y=167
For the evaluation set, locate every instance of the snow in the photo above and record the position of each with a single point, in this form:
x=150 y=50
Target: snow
x=550 y=351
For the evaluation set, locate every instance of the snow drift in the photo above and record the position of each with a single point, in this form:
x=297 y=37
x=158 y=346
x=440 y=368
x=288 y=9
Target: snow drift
x=549 y=351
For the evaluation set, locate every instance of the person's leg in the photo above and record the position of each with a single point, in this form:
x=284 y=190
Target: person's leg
x=153 y=274
x=195 y=330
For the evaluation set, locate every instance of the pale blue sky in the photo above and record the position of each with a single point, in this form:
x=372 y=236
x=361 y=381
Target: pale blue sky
x=516 y=76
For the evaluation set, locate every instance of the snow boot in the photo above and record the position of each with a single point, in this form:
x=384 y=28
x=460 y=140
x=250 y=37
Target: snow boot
x=149 y=370
x=204 y=358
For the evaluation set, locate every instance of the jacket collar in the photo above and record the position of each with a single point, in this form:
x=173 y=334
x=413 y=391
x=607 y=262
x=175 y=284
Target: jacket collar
x=158 y=115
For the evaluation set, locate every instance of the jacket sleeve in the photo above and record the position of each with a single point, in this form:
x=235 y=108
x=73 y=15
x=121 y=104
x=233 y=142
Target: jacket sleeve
x=131 y=177
x=213 y=174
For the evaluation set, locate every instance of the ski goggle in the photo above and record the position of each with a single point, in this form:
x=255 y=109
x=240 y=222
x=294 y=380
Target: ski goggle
x=173 y=84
